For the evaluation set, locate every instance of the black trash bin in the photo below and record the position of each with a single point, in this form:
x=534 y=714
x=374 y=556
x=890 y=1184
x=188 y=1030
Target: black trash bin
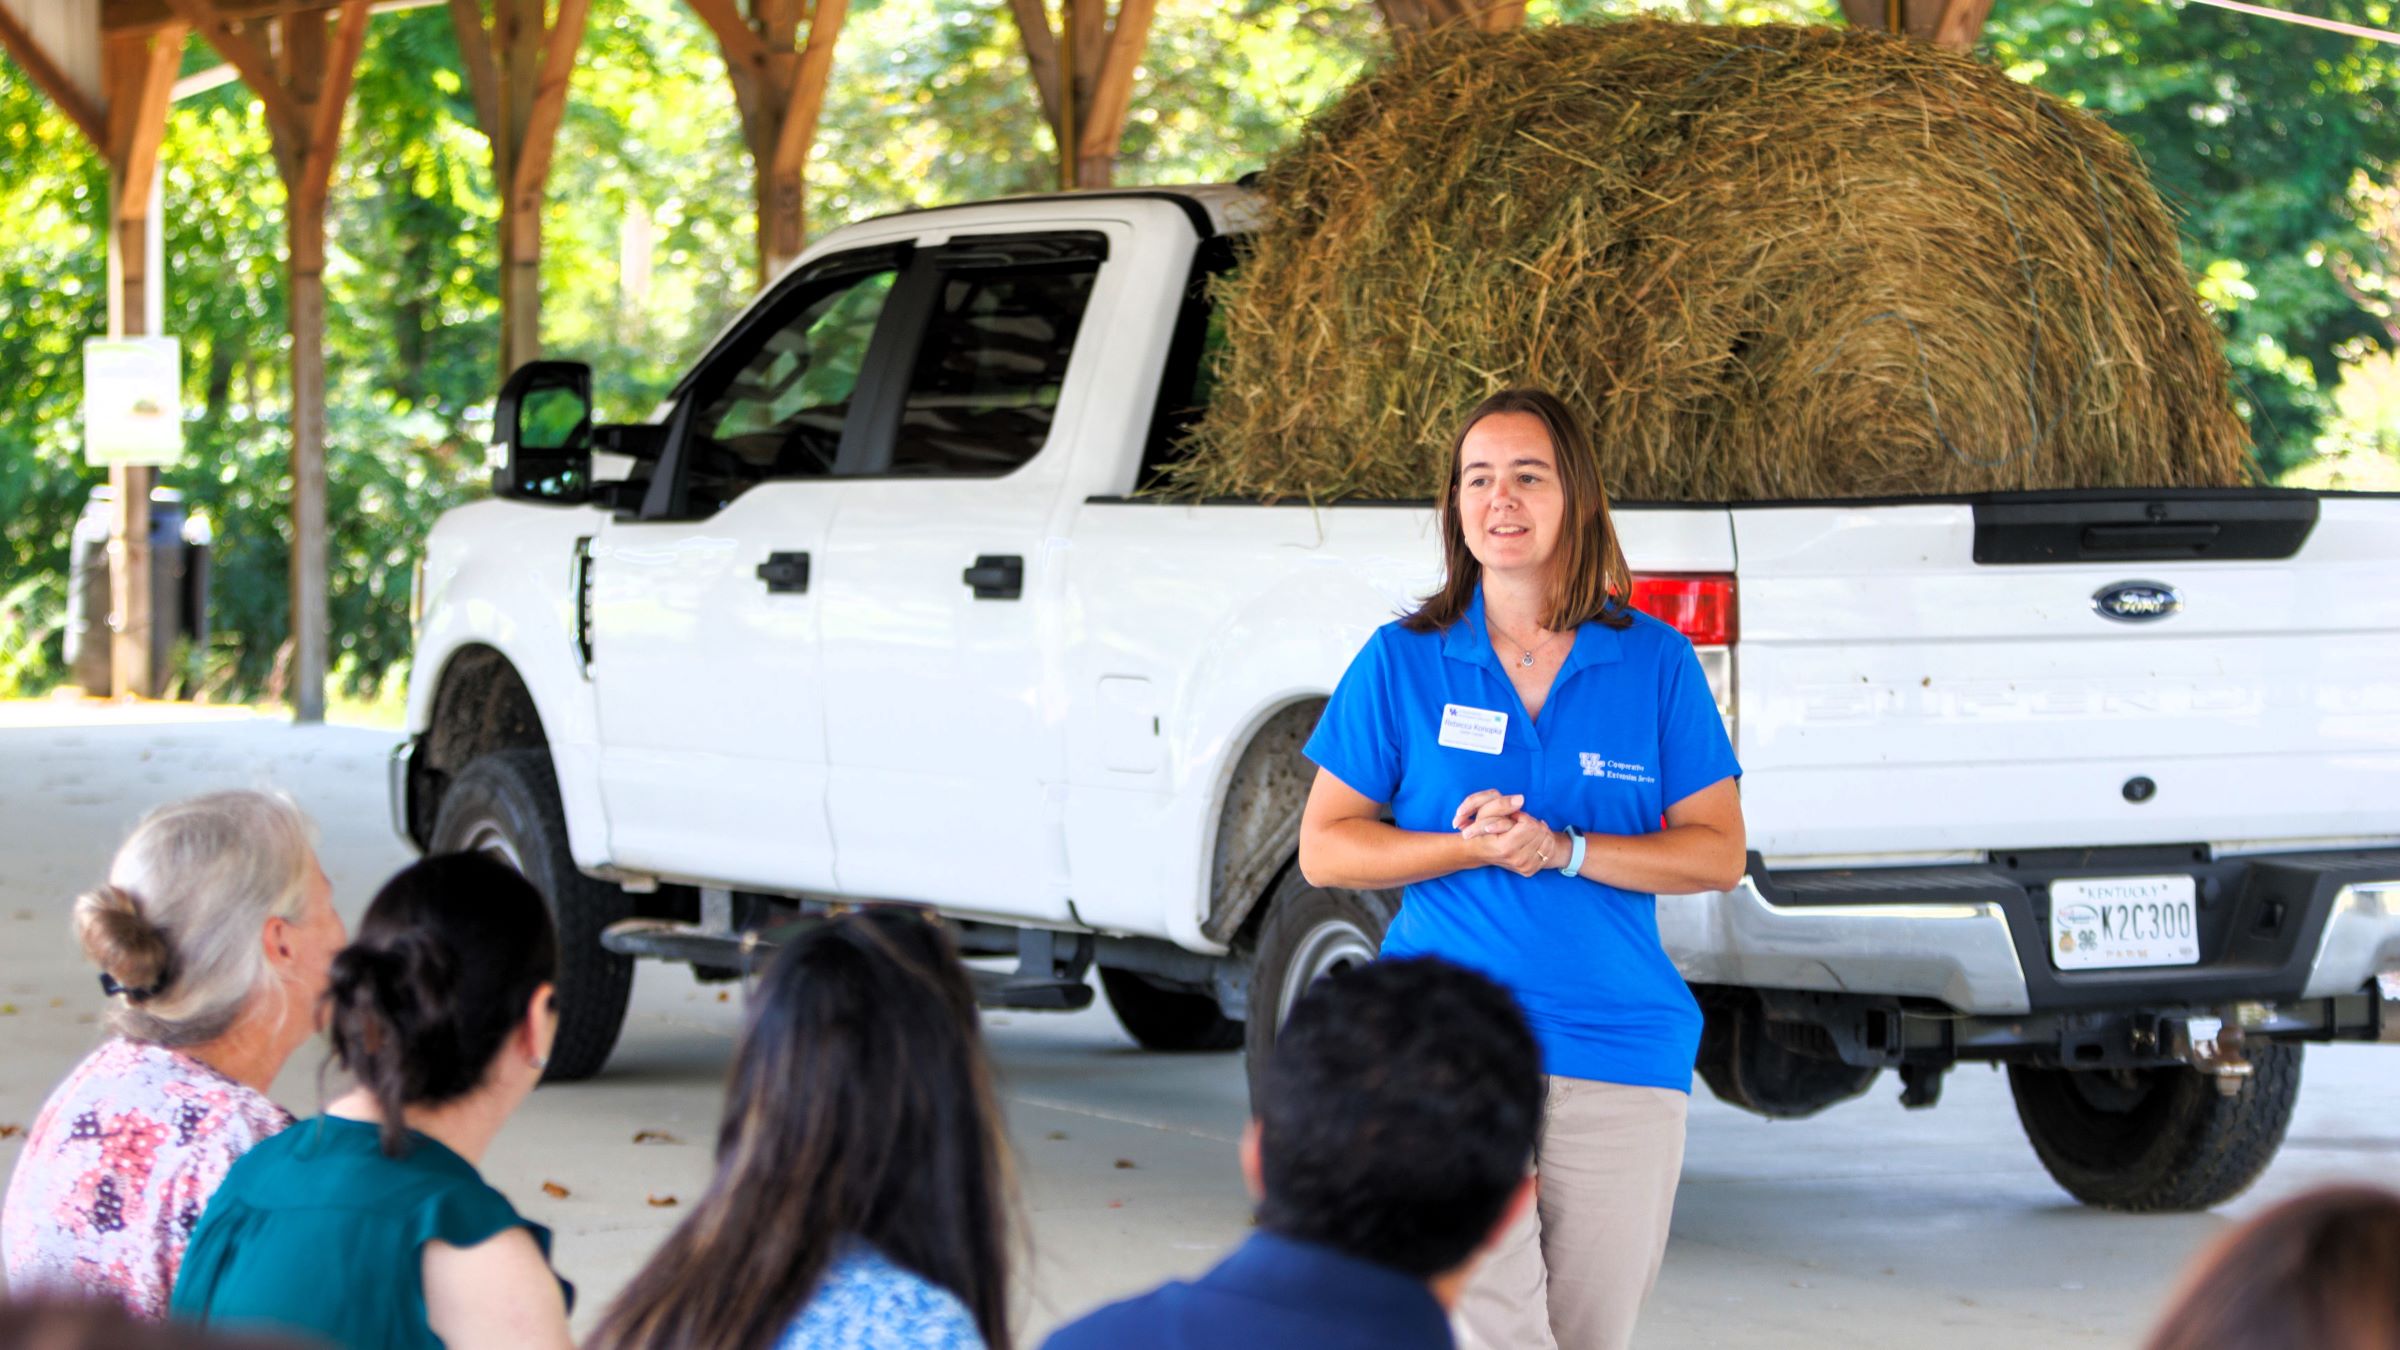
x=179 y=548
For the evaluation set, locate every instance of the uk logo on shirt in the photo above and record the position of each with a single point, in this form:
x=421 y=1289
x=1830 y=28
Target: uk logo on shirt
x=1600 y=766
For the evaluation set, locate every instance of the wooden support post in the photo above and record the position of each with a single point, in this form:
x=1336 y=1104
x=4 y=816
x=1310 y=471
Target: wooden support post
x=139 y=76
x=779 y=64
x=125 y=123
x=1083 y=73
x=301 y=73
x=1956 y=24
x=1406 y=19
x=518 y=68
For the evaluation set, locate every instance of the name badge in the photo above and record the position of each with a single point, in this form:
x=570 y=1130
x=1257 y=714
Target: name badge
x=1477 y=729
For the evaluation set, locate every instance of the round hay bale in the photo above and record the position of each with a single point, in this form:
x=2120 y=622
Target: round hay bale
x=1766 y=262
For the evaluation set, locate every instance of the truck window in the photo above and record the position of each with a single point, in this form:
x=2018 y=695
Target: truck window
x=986 y=381
x=772 y=406
x=1190 y=376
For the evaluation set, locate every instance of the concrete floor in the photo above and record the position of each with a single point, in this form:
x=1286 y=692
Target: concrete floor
x=1866 y=1227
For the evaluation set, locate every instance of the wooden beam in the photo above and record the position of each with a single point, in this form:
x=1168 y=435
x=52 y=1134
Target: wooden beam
x=734 y=34
x=311 y=575
x=332 y=100
x=1501 y=16
x=778 y=23
x=137 y=74
x=1086 y=28
x=475 y=58
x=807 y=100
x=1961 y=24
x=284 y=116
x=1920 y=19
x=19 y=42
x=1041 y=53
x=143 y=16
x=306 y=90
x=1103 y=126
x=557 y=71
x=137 y=112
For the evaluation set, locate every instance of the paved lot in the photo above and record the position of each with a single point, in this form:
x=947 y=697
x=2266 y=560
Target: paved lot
x=1866 y=1227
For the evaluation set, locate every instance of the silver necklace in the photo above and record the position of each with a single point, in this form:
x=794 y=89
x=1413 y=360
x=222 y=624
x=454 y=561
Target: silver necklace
x=1525 y=654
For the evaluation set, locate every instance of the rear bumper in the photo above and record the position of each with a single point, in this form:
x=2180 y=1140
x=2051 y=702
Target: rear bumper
x=2274 y=928
x=1957 y=952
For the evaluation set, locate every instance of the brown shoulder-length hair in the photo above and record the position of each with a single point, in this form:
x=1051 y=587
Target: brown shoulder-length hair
x=1592 y=581
x=2318 y=1272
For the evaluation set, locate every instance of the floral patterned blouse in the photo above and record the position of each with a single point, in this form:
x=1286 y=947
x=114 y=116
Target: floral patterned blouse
x=866 y=1301
x=117 y=1168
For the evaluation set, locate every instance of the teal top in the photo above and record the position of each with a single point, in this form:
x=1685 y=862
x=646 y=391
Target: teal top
x=315 y=1231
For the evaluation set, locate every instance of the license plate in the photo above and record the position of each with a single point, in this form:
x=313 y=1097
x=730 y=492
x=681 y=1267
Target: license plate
x=2112 y=922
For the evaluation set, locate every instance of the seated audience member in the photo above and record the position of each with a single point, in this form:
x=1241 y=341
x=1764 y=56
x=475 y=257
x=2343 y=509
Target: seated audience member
x=369 y=1226
x=1396 y=1123
x=859 y=1198
x=2318 y=1272
x=213 y=936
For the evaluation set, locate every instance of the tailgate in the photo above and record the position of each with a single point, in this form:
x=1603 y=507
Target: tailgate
x=1897 y=696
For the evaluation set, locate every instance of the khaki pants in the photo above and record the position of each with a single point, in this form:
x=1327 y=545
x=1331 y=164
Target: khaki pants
x=1573 y=1273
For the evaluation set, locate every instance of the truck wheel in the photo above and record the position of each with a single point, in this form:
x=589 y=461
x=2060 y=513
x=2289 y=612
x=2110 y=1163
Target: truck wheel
x=2147 y=1140
x=1309 y=932
x=506 y=804
x=1168 y=1019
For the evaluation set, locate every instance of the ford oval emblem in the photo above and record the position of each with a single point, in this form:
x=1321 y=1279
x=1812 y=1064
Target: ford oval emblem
x=2136 y=601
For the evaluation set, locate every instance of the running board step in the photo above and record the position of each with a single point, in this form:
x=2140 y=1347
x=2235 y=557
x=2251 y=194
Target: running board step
x=1010 y=989
x=672 y=940
x=1040 y=983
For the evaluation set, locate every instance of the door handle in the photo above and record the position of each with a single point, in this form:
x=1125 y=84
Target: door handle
x=996 y=577
x=785 y=573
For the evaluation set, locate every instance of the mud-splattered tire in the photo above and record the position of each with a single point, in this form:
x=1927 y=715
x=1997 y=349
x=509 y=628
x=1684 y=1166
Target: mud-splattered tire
x=506 y=803
x=1309 y=932
x=2154 y=1140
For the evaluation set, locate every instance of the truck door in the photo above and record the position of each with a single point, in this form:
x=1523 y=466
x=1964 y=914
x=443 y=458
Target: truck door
x=945 y=730
x=705 y=608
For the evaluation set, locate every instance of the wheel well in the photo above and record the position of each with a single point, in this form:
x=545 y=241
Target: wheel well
x=1258 y=825
x=481 y=706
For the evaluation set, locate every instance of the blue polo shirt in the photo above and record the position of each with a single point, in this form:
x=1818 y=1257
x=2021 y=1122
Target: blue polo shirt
x=1273 y=1293
x=1629 y=729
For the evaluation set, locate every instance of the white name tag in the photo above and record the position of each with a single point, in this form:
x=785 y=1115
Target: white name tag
x=1476 y=729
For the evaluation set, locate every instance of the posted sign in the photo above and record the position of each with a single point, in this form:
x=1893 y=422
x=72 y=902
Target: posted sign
x=132 y=400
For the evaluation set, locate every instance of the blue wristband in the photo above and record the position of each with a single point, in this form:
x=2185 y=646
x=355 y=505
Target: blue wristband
x=1574 y=865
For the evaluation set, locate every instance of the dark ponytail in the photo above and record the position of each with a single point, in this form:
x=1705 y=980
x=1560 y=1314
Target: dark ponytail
x=860 y=1107
x=445 y=962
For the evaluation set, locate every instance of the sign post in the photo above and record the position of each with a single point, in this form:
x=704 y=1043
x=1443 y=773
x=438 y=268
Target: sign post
x=133 y=402
x=133 y=424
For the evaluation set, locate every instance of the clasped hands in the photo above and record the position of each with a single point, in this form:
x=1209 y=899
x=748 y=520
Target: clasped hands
x=1501 y=833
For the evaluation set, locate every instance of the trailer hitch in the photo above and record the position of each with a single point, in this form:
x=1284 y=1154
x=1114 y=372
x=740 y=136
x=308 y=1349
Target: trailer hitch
x=2213 y=1045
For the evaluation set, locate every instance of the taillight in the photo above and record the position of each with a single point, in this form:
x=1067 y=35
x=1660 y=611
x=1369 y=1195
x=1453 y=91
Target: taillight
x=1701 y=607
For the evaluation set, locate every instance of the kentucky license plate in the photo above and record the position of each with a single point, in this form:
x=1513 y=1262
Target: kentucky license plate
x=2113 y=922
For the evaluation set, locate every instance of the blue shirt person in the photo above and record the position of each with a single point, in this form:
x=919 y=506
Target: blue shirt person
x=1273 y=1294
x=1630 y=729
x=1394 y=1124
x=1535 y=761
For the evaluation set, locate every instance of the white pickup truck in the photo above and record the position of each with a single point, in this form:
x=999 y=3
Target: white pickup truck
x=2102 y=785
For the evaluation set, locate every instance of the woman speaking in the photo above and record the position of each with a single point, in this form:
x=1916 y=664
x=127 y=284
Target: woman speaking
x=1551 y=760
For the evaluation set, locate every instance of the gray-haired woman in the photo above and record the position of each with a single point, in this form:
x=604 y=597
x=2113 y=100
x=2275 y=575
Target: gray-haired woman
x=213 y=935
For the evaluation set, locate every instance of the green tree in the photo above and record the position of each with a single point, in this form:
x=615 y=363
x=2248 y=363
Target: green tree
x=2256 y=131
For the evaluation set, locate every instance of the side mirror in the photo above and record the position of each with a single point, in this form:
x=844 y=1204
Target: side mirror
x=542 y=433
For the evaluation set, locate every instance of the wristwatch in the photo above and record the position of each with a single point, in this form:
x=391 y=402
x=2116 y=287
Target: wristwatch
x=1574 y=863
